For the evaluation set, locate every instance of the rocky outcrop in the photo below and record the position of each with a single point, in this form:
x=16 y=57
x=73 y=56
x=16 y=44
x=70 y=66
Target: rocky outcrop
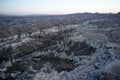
x=72 y=52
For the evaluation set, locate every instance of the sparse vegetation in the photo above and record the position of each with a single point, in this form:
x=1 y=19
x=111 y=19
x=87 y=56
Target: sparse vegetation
x=61 y=47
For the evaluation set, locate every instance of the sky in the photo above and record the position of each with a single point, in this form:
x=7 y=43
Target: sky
x=23 y=7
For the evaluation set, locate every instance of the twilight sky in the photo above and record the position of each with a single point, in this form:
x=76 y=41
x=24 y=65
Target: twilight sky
x=23 y=7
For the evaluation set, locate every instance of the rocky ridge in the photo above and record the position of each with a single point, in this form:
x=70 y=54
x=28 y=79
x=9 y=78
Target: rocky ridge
x=72 y=52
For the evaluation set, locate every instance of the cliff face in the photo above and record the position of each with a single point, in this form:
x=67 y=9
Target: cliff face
x=85 y=51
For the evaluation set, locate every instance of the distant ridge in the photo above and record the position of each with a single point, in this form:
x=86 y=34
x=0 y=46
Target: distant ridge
x=29 y=15
x=54 y=14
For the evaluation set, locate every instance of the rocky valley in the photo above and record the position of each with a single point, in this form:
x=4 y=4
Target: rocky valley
x=82 y=46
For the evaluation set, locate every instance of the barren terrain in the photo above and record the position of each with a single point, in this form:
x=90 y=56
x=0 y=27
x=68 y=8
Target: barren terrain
x=82 y=46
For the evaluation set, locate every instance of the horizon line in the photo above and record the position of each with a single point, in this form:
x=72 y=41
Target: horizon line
x=44 y=14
